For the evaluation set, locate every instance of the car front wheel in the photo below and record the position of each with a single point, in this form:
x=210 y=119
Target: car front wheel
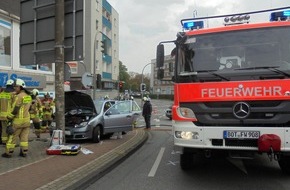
x=96 y=135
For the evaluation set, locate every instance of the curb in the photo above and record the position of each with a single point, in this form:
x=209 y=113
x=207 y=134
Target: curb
x=82 y=177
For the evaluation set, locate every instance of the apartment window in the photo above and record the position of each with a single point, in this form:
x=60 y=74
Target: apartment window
x=97 y=24
x=97 y=5
x=5 y=43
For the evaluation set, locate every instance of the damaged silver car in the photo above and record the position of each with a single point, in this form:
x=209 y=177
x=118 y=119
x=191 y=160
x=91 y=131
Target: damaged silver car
x=88 y=119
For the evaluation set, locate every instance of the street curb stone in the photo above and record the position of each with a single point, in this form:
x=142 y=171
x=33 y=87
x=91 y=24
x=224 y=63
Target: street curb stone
x=83 y=176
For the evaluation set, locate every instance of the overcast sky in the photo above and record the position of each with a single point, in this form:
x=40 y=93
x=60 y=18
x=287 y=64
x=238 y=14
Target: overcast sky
x=144 y=23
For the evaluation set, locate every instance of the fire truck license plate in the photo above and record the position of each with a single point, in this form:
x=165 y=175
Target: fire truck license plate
x=241 y=134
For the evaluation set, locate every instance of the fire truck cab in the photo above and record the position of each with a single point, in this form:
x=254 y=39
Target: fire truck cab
x=232 y=87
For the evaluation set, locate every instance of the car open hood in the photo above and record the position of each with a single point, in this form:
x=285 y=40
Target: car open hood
x=78 y=100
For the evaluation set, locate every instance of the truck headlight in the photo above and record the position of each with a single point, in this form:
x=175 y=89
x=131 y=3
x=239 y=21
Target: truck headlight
x=185 y=112
x=186 y=135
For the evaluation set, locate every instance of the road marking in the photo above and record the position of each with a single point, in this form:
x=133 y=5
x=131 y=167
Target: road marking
x=156 y=163
x=172 y=163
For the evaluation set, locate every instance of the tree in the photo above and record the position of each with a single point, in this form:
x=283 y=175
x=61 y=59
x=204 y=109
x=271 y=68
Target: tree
x=124 y=76
x=132 y=80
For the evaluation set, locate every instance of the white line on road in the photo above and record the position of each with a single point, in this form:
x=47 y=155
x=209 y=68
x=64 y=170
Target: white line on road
x=156 y=163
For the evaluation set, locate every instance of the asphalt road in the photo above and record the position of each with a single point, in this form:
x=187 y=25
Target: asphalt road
x=158 y=118
x=156 y=166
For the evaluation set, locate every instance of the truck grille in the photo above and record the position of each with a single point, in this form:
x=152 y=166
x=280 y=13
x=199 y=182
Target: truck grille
x=261 y=113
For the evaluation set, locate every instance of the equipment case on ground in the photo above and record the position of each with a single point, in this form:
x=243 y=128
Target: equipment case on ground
x=64 y=149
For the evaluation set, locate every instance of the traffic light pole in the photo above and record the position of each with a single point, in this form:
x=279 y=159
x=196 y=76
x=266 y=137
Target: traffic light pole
x=59 y=65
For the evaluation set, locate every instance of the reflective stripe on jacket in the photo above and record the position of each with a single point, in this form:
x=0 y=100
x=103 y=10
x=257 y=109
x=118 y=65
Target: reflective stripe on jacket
x=23 y=101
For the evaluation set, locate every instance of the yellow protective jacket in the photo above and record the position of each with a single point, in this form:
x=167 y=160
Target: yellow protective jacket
x=6 y=100
x=36 y=108
x=20 y=110
x=47 y=109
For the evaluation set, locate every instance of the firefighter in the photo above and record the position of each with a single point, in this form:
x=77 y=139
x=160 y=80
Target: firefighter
x=6 y=98
x=36 y=112
x=20 y=118
x=47 y=112
x=147 y=111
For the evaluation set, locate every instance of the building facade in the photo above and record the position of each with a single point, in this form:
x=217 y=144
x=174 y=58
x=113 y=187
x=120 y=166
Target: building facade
x=164 y=86
x=101 y=46
x=100 y=24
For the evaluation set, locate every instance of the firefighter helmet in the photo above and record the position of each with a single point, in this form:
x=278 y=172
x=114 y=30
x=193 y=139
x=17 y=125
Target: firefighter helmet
x=35 y=92
x=47 y=95
x=106 y=97
x=19 y=82
x=10 y=82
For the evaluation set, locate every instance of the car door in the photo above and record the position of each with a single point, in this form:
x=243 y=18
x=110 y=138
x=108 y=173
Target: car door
x=118 y=117
x=136 y=110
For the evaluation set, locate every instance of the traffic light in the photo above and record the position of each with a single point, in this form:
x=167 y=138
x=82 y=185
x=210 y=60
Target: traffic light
x=143 y=87
x=120 y=85
x=104 y=47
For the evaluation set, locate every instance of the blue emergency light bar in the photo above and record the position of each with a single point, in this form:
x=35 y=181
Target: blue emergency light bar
x=193 y=25
x=282 y=15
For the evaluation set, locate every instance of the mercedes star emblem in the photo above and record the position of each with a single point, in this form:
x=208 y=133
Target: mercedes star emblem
x=241 y=110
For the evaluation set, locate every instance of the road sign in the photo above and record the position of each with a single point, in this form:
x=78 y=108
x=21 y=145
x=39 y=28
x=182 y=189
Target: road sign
x=87 y=80
x=37 y=31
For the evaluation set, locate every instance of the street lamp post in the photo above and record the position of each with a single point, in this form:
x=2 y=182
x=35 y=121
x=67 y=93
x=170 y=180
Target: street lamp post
x=142 y=81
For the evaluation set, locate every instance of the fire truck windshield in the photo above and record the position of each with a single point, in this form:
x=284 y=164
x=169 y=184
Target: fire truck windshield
x=231 y=52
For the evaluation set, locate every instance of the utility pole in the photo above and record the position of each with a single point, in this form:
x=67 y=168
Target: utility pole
x=94 y=68
x=59 y=65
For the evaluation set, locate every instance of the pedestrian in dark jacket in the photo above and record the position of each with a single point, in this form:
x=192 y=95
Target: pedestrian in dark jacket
x=146 y=112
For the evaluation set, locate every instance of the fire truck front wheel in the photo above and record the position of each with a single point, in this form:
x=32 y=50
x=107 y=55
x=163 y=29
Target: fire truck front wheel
x=284 y=163
x=187 y=160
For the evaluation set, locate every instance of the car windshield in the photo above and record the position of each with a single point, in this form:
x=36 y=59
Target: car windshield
x=99 y=105
x=225 y=52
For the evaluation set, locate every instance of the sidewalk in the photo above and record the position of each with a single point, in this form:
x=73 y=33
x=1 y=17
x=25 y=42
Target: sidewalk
x=41 y=171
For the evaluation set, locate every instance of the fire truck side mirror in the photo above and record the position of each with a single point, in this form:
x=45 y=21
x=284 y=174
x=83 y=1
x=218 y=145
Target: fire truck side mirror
x=160 y=56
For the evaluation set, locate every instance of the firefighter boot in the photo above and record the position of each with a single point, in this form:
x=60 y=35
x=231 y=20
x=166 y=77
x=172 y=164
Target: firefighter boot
x=22 y=154
x=4 y=155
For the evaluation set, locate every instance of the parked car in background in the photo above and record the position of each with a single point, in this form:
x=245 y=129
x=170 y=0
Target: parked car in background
x=168 y=112
x=88 y=119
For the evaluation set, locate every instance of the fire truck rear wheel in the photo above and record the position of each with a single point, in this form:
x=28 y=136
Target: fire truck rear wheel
x=187 y=160
x=284 y=163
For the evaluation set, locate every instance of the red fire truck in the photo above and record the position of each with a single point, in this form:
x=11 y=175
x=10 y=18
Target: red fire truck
x=232 y=87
